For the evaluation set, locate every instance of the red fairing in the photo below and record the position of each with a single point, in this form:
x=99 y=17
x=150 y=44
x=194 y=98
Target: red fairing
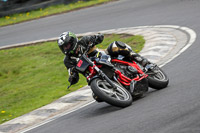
x=92 y=70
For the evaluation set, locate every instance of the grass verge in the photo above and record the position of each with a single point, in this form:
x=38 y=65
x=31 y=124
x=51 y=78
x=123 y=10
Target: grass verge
x=52 y=10
x=33 y=76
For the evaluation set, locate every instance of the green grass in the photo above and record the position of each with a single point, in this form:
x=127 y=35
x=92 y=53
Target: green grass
x=33 y=76
x=56 y=9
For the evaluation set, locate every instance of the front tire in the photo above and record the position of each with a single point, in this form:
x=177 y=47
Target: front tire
x=119 y=97
x=157 y=78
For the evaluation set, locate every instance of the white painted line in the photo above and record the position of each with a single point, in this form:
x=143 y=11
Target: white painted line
x=192 y=35
x=58 y=116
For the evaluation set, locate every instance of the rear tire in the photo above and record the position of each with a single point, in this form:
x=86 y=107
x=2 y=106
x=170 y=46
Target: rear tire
x=119 y=97
x=157 y=78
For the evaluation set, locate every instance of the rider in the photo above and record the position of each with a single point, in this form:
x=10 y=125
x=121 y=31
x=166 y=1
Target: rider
x=74 y=48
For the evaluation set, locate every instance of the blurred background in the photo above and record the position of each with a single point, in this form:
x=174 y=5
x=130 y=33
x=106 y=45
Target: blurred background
x=8 y=7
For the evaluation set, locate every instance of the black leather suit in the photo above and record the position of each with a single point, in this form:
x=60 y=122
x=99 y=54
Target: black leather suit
x=70 y=60
x=114 y=49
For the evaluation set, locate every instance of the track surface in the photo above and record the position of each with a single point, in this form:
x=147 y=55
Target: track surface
x=175 y=109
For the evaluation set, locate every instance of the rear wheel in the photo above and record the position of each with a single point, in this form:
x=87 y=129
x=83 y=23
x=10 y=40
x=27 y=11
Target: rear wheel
x=157 y=78
x=119 y=97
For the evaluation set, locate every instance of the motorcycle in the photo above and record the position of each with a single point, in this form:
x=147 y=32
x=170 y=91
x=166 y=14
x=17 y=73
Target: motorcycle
x=118 y=81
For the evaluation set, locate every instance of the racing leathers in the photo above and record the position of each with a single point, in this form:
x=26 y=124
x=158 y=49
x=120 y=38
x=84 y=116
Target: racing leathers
x=114 y=49
x=70 y=60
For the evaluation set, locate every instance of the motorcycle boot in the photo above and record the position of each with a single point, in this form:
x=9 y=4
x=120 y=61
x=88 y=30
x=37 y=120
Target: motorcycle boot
x=138 y=58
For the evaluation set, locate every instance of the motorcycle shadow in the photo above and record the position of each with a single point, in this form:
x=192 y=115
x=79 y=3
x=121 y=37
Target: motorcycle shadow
x=103 y=108
x=150 y=91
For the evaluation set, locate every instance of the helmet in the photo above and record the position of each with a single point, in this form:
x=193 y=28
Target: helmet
x=67 y=42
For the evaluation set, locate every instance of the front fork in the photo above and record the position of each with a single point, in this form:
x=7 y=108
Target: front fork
x=105 y=77
x=94 y=69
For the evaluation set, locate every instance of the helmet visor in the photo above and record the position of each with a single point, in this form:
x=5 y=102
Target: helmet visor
x=67 y=47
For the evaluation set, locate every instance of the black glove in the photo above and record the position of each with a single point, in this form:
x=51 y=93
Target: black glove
x=74 y=77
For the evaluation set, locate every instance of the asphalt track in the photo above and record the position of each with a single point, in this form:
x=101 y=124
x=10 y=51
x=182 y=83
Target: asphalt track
x=175 y=109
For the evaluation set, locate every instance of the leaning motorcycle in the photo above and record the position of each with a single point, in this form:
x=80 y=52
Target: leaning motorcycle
x=117 y=81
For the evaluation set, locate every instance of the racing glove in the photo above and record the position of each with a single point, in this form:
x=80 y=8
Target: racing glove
x=73 y=76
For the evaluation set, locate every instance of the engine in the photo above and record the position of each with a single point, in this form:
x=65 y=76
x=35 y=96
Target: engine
x=128 y=71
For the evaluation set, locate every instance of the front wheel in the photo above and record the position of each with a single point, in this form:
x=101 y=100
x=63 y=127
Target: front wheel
x=157 y=78
x=119 y=97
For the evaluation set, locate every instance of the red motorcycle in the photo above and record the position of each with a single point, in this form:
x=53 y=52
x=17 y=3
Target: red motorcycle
x=119 y=81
